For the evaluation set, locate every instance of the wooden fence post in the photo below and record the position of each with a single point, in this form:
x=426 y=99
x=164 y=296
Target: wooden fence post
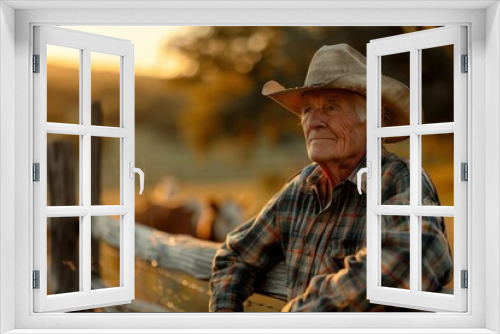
x=64 y=232
x=64 y=235
x=95 y=186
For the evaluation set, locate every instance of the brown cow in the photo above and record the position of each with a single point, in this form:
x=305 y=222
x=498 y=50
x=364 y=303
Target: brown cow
x=208 y=219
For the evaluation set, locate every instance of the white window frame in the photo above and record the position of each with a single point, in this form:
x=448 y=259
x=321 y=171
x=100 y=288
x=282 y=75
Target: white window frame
x=15 y=112
x=413 y=44
x=85 y=44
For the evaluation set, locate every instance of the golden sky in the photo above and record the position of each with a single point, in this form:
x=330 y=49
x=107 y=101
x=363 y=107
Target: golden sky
x=149 y=44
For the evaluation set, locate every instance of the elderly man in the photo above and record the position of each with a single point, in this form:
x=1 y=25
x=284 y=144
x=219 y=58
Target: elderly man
x=317 y=222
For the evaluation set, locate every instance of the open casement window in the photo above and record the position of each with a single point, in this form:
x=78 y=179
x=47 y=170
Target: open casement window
x=416 y=215
x=65 y=207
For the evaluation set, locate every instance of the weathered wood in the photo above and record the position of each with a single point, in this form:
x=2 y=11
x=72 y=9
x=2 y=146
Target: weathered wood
x=183 y=253
x=96 y=155
x=136 y=305
x=95 y=172
x=63 y=232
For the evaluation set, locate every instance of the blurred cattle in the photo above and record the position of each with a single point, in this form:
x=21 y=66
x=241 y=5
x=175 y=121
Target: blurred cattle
x=207 y=219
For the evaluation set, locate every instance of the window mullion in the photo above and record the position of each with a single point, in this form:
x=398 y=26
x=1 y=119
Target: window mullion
x=418 y=157
x=434 y=128
x=127 y=122
x=85 y=233
x=420 y=129
x=414 y=167
x=85 y=82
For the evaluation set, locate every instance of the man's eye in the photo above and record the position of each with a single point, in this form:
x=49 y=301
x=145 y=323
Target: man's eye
x=333 y=109
x=305 y=110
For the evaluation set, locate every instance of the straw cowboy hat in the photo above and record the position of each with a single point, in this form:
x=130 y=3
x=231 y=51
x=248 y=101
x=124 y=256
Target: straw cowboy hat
x=342 y=67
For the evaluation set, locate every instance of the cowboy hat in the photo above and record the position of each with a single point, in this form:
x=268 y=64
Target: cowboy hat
x=342 y=67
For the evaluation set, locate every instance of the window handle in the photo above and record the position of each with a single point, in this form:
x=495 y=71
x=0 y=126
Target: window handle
x=133 y=170
x=367 y=170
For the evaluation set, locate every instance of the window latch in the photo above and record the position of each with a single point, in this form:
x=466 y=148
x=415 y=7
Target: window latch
x=133 y=170
x=367 y=170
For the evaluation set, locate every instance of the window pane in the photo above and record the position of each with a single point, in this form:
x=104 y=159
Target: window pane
x=395 y=247
x=437 y=254
x=105 y=89
x=63 y=170
x=437 y=162
x=63 y=255
x=105 y=171
x=395 y=66
x=63 y=84
x=437 y=84
x=105 y=252
x=395 y=159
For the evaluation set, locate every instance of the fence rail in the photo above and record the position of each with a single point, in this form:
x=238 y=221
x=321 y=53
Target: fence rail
x=182 y=253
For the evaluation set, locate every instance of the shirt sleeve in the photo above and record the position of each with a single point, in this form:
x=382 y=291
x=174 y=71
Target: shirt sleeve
x=248 y=250
x=346 y=289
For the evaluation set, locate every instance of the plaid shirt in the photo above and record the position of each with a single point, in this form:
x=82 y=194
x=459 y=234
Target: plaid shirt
x=323 y=241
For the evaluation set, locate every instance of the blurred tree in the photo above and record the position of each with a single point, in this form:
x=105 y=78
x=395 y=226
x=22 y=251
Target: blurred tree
x=231 y=64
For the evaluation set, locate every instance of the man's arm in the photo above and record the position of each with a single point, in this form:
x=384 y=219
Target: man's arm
x=346 y=289
x=247 y=251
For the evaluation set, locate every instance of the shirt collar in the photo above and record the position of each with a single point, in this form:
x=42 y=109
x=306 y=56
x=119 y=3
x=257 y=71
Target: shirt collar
x=317 y=174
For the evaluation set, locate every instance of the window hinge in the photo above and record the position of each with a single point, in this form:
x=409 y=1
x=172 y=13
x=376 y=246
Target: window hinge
x=36 y=172
x=36 y=63
x=464 y=171
x=36 y=279
x=464 y=279
x=465 y=64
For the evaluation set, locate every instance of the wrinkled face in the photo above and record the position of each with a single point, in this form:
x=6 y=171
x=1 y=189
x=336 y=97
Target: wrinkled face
x=334 y=126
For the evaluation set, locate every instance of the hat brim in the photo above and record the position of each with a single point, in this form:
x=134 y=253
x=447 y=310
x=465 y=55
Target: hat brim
x=395 y=97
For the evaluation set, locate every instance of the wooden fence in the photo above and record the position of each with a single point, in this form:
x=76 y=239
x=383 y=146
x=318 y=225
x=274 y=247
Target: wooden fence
x=171 y=254
x=182 y=253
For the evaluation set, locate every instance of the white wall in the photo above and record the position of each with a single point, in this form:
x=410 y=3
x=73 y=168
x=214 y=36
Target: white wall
x=490 y=123
x=7 y=161
x=492 y=152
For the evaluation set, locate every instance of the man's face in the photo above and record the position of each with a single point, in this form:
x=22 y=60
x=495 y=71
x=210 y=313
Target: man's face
x=333 y=130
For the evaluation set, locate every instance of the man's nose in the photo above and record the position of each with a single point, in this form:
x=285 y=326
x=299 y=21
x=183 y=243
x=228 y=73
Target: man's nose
x=317 y=118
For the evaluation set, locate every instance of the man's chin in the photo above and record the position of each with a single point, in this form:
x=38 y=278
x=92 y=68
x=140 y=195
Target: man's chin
x=320 y=158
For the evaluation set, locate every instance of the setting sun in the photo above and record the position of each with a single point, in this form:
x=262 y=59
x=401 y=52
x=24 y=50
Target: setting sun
x=151 y=55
